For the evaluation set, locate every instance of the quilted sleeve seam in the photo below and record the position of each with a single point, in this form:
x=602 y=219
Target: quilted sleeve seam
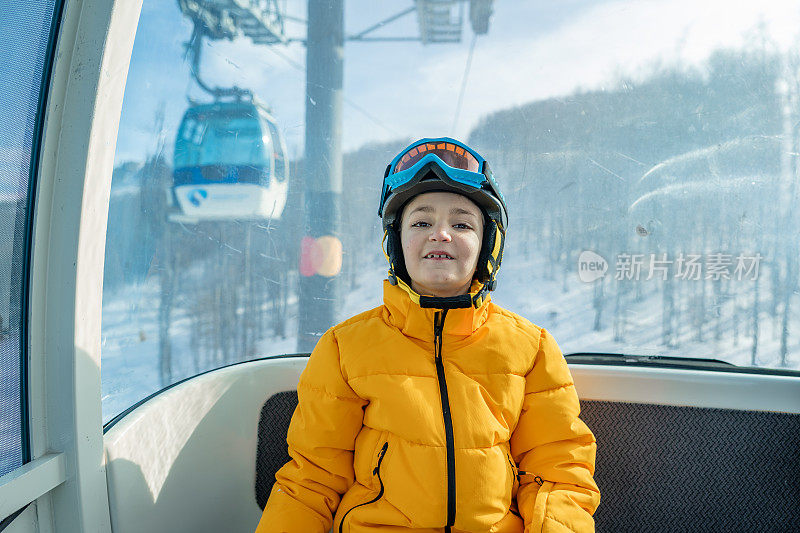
x=328 y=394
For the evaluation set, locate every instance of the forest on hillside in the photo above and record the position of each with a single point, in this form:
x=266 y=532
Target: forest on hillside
x=686 y=163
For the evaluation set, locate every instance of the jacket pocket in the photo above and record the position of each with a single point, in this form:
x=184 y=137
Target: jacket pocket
x=375 y=472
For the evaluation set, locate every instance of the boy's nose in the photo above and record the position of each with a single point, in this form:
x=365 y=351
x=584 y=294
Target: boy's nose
x=440 y=234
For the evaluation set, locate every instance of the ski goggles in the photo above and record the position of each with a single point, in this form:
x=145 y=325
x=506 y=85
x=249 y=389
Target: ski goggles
x=460 y=164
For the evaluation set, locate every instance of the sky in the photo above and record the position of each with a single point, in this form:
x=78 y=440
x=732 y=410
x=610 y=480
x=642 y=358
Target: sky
x=533 y=51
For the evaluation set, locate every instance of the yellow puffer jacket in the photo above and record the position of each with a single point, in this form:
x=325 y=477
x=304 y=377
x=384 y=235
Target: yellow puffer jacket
x=394 y=429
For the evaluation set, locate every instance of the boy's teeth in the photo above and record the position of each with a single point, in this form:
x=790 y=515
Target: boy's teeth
x=438 y=256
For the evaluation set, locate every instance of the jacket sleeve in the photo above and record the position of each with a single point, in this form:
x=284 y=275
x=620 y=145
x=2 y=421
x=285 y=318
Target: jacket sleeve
x=554 y=449
x=321 y=441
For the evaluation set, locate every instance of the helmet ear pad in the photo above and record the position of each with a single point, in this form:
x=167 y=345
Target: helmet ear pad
x=485 y=256
x=491 y=254
x=394 y=249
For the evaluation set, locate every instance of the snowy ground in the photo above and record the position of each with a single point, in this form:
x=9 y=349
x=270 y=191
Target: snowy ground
x=569 y=316
x=130 y=360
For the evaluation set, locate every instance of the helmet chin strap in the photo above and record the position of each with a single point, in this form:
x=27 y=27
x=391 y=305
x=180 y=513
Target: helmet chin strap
x=462 y=301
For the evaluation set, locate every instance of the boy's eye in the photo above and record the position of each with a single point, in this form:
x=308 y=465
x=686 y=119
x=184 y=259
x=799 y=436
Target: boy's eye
x=423 y=224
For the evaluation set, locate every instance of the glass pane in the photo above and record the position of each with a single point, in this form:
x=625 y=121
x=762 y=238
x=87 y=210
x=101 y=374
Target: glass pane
x=220 y=136
x=632 y=140
x=278 y=152
x=24 y=43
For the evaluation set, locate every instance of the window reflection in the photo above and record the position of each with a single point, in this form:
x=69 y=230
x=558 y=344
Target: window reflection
x=642 y=184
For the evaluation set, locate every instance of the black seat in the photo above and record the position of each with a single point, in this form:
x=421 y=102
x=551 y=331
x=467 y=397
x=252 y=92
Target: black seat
x=659 y=468
x=272 y=451
x=667 y=468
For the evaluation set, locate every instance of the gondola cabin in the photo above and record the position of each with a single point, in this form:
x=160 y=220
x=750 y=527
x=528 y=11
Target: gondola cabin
x=230 y=162
x=151 y=343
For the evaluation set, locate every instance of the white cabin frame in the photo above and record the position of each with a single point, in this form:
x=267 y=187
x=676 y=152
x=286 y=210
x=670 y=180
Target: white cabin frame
x=66 y=479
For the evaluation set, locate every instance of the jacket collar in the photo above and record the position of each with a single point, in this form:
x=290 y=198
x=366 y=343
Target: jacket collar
x=414 y=321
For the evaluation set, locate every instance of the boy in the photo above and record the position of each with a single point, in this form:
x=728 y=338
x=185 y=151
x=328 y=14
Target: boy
x=439 y=410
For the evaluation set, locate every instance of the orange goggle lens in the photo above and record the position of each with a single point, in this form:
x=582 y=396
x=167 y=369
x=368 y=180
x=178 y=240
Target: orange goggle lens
x=452 y=155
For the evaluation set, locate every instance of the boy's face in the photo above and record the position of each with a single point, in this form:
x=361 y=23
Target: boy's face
x=436 y=224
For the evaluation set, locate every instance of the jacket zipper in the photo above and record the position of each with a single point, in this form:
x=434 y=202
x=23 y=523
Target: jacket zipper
x=375 y=471
x=438 y=327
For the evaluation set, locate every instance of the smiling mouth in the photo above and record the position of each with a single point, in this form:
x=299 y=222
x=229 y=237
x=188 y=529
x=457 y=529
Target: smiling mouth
x=437 y=256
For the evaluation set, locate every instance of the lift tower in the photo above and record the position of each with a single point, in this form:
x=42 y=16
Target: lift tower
x=322 y=167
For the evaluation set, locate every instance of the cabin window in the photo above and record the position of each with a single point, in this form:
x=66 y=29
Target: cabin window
x=185 y=293
x=25 y=45
x=652 y=190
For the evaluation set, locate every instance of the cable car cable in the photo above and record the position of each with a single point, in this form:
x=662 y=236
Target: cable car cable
x=352 y=104
x=464 y=83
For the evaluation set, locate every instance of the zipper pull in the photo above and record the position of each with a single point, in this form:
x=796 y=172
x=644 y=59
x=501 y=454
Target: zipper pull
x=380 y=457
x=536 y=478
